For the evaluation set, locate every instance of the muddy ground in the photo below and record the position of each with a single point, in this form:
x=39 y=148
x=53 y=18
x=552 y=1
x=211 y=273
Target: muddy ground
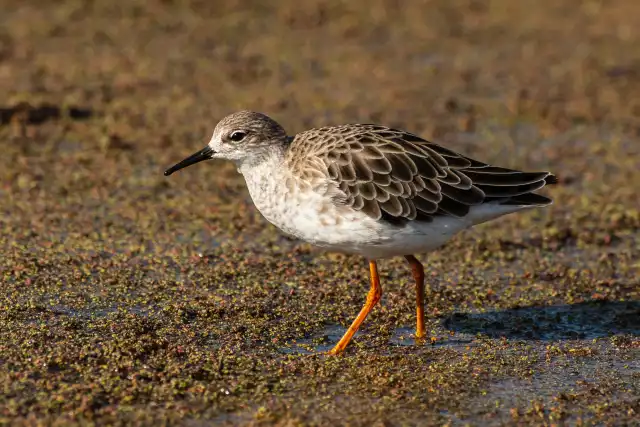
x=130 y=298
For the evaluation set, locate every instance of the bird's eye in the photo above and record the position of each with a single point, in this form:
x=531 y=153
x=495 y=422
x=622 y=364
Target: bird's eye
x=237 y=136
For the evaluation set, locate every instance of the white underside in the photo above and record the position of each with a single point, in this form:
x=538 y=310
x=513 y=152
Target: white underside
x=310 y=215
x=359 y=234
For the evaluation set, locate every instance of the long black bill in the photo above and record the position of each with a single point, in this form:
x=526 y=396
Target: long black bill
x=204 y=154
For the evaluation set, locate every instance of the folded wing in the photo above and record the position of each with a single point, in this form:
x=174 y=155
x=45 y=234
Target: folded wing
x=397 y=176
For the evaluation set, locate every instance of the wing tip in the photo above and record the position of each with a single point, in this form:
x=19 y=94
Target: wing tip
x=529 y=200
x=551 y=179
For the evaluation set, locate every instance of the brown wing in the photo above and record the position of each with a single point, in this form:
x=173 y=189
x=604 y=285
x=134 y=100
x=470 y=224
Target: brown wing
x=394 y=175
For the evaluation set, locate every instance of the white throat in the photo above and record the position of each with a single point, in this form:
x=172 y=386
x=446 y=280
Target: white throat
x=260 y=163
x=264 y=175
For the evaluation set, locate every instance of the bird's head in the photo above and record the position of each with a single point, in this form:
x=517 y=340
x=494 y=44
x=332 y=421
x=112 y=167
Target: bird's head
x=245 y=136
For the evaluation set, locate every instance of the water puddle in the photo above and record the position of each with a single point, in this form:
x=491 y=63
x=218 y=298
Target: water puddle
x=325 y=339
x=550 y=381
x=404 y=337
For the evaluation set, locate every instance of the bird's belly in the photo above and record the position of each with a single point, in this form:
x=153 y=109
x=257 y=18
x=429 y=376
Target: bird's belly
x=340 y=229
x=411 y=238
x=320 y=223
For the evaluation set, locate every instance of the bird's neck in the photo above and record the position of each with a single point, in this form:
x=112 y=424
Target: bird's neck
x=264 y=162
x=265 y=175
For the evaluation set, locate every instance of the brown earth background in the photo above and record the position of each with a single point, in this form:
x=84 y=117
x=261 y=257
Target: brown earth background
x=130 y=298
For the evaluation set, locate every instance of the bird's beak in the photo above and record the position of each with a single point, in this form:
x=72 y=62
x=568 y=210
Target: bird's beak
x=205 y=154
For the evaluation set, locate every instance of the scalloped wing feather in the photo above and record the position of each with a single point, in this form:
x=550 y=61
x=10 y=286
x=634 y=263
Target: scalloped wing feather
x=394 y=175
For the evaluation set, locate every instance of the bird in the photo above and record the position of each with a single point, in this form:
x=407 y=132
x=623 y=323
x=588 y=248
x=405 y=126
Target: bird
x=367 y=190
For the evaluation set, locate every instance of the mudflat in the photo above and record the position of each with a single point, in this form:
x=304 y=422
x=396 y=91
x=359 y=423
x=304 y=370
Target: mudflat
x=130 y=298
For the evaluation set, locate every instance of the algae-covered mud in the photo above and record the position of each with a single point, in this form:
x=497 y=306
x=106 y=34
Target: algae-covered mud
x=130 y=298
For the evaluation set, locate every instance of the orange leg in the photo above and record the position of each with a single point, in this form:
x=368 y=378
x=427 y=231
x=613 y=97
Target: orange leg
x=418 y=276
x=374 y=295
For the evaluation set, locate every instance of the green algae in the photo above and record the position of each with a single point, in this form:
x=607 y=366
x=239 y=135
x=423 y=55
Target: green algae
x=130 y=298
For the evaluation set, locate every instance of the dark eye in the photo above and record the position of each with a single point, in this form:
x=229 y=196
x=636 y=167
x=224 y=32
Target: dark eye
x=237 y=136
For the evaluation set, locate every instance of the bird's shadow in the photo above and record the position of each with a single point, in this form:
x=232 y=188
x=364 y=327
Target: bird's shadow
x=586 y=320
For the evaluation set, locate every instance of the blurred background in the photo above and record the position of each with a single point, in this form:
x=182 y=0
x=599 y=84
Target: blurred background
x=129 y=297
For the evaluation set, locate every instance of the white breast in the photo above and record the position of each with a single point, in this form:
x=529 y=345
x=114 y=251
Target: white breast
x=302 y=211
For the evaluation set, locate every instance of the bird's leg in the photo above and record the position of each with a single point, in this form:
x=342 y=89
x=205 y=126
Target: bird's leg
x=418 y=276
x=374 y=295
